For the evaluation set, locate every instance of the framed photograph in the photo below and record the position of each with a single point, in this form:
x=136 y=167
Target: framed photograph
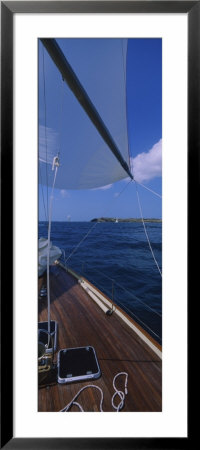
x=143 y=126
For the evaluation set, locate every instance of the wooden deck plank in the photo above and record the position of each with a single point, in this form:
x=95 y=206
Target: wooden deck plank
x=82 y=322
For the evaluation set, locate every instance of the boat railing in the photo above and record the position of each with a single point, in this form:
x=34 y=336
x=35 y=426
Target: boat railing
x=140 y=311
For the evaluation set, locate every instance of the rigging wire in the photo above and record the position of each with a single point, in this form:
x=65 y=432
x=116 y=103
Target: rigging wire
x=143 y=323
x=61 y=116
x=49 y=206
x=153 y=192
x=74 y=250
x=45 y=128
x=145 y=230
x=50 y=212
x=131 y=313
x=124 y=289
x=48 y=251
x=90 y=230
x=40 y=176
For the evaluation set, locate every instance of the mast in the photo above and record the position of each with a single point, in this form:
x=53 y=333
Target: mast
x=76 y=87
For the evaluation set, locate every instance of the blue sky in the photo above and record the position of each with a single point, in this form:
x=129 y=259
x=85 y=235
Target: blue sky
x=144 y=113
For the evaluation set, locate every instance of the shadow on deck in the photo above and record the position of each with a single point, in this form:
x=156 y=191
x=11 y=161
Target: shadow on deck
x=119 y=349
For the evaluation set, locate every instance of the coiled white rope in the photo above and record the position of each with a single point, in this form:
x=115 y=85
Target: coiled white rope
x=120 y=394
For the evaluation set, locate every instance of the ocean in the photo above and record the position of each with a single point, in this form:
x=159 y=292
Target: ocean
x=117 y=259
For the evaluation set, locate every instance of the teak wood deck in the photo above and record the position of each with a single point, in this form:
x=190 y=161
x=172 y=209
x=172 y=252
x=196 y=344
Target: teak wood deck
x=119 y=349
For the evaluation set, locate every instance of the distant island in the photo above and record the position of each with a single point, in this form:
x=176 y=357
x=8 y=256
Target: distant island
x=112 y=219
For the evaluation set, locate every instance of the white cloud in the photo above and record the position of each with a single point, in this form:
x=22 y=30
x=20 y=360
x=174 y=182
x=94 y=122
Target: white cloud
x=147 y=166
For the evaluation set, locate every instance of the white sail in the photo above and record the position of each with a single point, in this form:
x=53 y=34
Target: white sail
x=86 y=161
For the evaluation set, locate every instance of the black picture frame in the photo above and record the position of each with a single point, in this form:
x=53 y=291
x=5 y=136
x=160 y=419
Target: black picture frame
x=8 y=9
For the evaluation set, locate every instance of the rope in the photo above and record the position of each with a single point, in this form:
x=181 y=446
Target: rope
x=146 y=230
x=78 y=245
x=45 y=212
x=120 y=394
x=87 y=234
x=61 y=117
x=49 y=211
x=73 y=402
x=48 y=248
x=148 y=189
x=45 y=127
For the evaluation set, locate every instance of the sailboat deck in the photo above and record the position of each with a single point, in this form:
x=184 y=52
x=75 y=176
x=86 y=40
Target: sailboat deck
x=119 y=349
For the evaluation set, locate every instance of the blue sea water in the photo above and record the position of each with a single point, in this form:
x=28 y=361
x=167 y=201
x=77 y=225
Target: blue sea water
x=117 y=259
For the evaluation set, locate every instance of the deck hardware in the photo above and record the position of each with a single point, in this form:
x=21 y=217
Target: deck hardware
x=56 y=162
x=45 y=360
x=109 y=312
x=44 y=338
x=43 y=291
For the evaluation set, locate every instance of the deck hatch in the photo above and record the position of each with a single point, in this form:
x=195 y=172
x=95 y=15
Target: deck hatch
x=77 y=364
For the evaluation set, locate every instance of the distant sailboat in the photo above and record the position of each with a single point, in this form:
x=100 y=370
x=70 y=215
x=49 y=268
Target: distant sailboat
x=116 y=220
